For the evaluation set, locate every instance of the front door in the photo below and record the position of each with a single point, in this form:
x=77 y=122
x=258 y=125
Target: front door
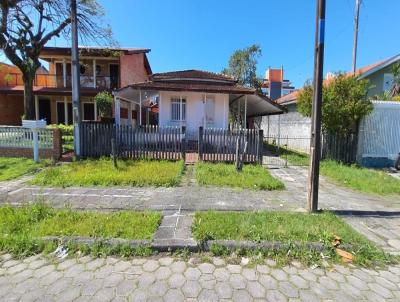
x=114 y=76
x=209 y=112
x=45 y=110
x=195 y=119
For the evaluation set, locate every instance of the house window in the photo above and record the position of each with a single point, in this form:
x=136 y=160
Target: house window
x=98 y=69
x=82 y=69
x=387 y=81
x=88 y=111
x=61 y=116
x=178 y=109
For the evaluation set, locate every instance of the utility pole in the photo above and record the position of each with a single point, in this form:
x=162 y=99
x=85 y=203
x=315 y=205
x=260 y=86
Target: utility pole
x=76 y=104
x=315 y=144
x=355 y=42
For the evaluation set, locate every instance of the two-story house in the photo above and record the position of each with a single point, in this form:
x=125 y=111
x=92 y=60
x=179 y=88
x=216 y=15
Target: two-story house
x=100 y=69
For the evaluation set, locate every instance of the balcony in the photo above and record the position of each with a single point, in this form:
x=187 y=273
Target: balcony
x=58 y=81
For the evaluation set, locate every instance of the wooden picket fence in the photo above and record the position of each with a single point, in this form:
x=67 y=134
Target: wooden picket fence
x=145 y=142
x=341 y=148
x=219 y=145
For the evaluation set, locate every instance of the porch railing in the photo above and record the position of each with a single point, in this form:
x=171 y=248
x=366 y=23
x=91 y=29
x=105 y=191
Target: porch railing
x=57 y=81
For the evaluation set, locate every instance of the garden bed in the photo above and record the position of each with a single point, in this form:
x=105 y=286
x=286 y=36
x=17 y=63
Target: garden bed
x=252 y=177
x=102 y=173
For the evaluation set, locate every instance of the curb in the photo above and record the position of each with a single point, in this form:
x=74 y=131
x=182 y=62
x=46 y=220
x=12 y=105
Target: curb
x=268 y=245
x=171 y=245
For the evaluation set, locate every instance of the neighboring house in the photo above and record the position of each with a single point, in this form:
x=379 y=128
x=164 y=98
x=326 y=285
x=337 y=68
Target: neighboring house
x=379 y=75
x=297 y=128
x=101 y=69
x=190 y=99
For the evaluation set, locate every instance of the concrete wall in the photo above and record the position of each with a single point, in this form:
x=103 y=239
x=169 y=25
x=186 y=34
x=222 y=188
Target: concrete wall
x=195 y=111
x=132 y=69
x=379 y=136
x=290 y=128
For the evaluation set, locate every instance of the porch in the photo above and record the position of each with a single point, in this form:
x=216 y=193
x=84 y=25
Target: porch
x=190 y=110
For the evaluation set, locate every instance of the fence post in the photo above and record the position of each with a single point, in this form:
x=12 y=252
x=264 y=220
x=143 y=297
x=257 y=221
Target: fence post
x=201 y=143
x=114 y=153
x=286 y=151
x=35 y=145
x=260 y=146
x=183 y=144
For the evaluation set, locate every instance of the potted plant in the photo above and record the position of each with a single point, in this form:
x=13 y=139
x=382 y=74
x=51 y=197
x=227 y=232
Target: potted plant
x=104 y=101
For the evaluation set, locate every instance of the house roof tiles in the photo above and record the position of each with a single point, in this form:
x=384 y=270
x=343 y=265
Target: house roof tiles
x=192 y=74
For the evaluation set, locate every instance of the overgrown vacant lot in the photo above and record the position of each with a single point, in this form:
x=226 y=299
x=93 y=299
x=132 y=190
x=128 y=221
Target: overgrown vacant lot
x=102 y=173
x=286 y=228
x=252 y=177
x=22 y=228
x=354 y=177
x=362 y=179
x=11 y=167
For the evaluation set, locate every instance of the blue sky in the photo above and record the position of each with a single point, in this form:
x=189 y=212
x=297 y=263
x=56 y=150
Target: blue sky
x=202 y=34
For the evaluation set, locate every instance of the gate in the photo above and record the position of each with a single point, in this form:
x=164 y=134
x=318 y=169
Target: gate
x=219 y=145
x=284 y=150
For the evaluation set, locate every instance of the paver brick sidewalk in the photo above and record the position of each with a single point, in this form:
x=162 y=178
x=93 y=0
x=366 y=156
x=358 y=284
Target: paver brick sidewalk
x=169 y=279
x=376 y=217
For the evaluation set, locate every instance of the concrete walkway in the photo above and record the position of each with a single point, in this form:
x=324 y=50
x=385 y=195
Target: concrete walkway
x=168 y=279
x=376 y=217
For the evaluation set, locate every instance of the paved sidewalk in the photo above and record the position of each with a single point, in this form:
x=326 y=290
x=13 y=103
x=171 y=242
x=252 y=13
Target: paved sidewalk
x=169 y=279
x=175 y=231
x=376 y=217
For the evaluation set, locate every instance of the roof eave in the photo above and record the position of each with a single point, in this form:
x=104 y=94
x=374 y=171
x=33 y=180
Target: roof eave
x=379 y=67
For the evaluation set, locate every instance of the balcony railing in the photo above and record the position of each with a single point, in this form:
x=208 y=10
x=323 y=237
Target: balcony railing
x=58 y=81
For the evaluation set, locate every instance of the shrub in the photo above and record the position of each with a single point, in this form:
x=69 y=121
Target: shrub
x=66 y=130
x=344 y=103
x=104 y=101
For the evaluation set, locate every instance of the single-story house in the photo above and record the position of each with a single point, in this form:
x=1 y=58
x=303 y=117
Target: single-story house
x=191 y=99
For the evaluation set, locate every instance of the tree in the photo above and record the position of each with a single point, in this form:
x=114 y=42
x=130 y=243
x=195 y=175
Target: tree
x=344 y=103
x=26 y=26
x=395 y=91
x=243 y=66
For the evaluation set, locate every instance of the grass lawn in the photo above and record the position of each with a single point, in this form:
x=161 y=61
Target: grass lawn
x=11 y=167
x=22 y=228
x=252 y=177
x=102 y=173
x=357 y=178
x=286 y=228
x=361 y=179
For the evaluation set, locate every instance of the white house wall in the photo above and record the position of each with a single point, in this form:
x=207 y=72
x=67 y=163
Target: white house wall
x=195 y=111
